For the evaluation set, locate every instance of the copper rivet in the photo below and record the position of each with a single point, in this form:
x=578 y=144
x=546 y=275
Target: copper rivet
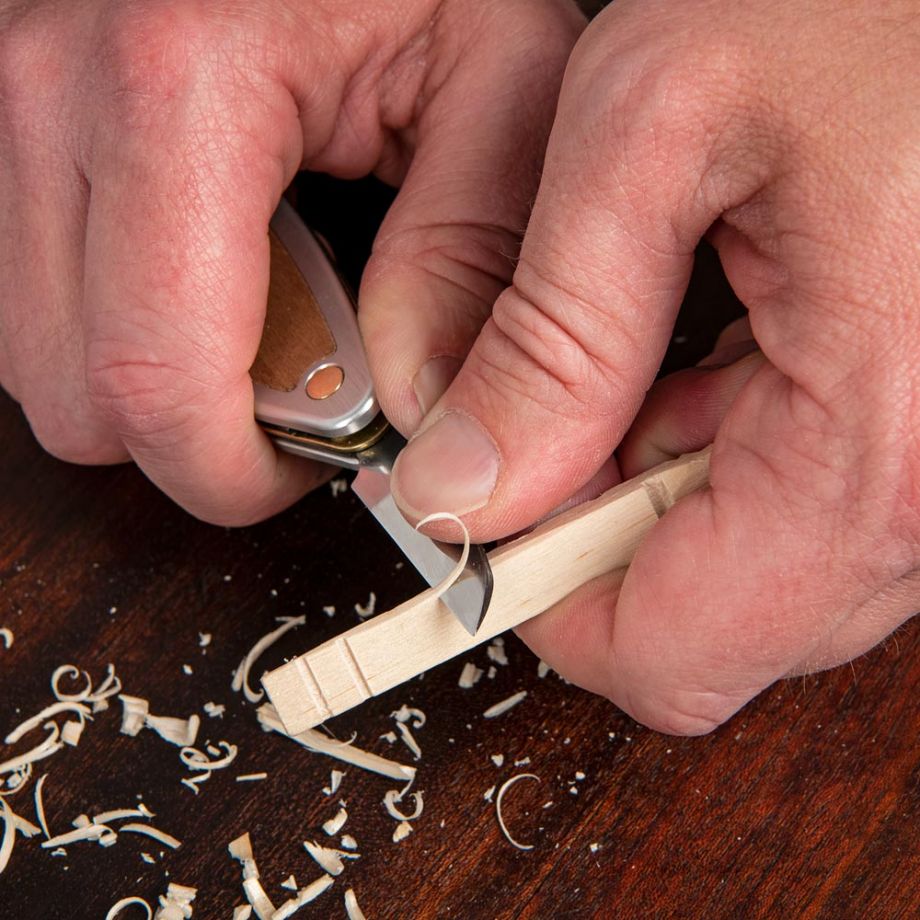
x=325 y=381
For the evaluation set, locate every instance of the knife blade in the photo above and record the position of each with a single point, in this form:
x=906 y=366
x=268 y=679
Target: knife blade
x=315 y=398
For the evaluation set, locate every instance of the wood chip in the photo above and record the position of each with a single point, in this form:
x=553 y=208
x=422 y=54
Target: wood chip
x=496 y=651
x=403 y=829
x=334 y=825
x=6 y=634
x=469 y=675
x=502 y=707
x=367 y=610
x=328 y=859
x=351 y=906
x=304 y=896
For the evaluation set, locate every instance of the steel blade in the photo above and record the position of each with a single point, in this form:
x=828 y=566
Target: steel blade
x=468 y=597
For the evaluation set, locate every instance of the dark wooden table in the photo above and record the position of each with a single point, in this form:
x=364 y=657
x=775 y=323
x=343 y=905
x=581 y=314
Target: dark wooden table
x=805 y=804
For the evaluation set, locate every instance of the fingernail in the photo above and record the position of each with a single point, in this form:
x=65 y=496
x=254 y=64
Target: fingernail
x=432 y=379
x=451 y=466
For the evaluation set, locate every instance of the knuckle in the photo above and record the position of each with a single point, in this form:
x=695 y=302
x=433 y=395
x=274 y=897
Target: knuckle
x=28 y=71
x=141 y=397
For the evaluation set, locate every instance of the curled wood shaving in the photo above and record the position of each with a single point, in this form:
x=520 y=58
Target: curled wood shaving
x=195 y=759
x=154 y=832
x=304 y=896
x=498 y=808
x=69 y=670
x=457 y=570
x=334 y=825
x=366 y=610
x=469 y=675
x=393 y=796
x=407 y=713
x=502 y=707
x=49 y=746
x=110 y=686
x=181 y=732
x=119 y=906
x=318 y=743
x=193 y=782
x=47 y=713
x=403 y=829
x=6 y=634
x=351 y=906
x=241 y=675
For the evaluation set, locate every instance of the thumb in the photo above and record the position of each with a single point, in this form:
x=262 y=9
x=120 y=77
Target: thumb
x=561 y=367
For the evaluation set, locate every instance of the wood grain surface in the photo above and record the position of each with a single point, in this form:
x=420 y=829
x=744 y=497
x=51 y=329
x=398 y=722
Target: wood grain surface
x=804 y=805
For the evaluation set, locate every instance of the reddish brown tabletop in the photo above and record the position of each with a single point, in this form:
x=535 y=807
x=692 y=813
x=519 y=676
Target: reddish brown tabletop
x=806 y=804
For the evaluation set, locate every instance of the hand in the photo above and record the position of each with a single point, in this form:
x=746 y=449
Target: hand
x=144 y=149
x=788 y=132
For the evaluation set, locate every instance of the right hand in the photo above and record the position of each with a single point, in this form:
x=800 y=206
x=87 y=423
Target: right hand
x=144 y=149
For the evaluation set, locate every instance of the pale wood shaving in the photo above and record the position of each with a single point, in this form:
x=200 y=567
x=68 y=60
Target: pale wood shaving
x=409 y=739
x=351 y=906
x=251 y=777
x=161 y=836
x=242 y=912
x=335 y=824
x=47 y=713
x=304 y=896
x=318 y=743
x=71 y=732
x=51 y=745
x=40 y=805
x=214 y=710
x=180 y=732
x=408 y=714
x=328 y=859
x=496 y=651
x=498 y=808
x=177 y=903
x=134 y=711
x=241 y=675
x=85 y=832
x=469 y=676
x=195 y=759
x=403 y=829
x=119 y=906
x=393 y=796
x=122 y=814
x=6 y=634
x=502 y=707
x=290 y=883
x=367 y=610
x=349 y=842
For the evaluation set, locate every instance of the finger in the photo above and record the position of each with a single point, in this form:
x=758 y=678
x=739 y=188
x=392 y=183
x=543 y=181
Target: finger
x=41 y=238
x=176 y=285
x=451 y=239
x=560 y=369
x=683 y=411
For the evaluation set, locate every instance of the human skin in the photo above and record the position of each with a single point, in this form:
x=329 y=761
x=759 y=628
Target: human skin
x=143 y=149
x=789 y=134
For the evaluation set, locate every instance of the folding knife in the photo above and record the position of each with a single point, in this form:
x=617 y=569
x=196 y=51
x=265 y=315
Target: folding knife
x=315 y=398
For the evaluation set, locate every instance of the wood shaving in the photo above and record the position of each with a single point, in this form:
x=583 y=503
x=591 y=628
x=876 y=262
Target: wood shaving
x=251 y=777
x=122 y=814
x=335 y=780
x=110 y=686
x=148 y=859
x=502 y=707
x=71 y=732
x=487 y=795
x=12 y=824
x=367 y=610
x=403 y=829
x=329 y=610
x=338 y=486
x=498 y=808
x=469 y=675
x=187 y=670
x=134 y=711
x=242 y=912
x=204 y=639
x=87 y=832
x=47 y=713
x=241 y=850
x=389 y=737
x=334 y=825
x=40 y=805
x=195 y=759
x=447 y=582
x=349 y=842
x=318 y=743
x=161 y=836
x=304 y=896
x=408 y=714
x=119 y=906
x=496 y=651
x=215 y=711
x=51 y=745
x=241 y=675
x=498 y=759
x=6 y=634
x=351 y=906
x=542 y=668
x=290 y=883
x=393 y=796
x=177 y=903
x=69 y=670
x=328 y=859
x=260 y=901
x=491 y=672
x=409 y=739
x=180 y=732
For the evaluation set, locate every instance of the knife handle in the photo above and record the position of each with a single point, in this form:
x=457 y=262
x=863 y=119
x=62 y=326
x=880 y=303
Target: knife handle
x=310 y=374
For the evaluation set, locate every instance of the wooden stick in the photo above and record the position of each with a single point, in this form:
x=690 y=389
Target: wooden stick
x=531 y=574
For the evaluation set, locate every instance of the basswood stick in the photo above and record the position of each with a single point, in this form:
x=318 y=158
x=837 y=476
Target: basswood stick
x=531 y=574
